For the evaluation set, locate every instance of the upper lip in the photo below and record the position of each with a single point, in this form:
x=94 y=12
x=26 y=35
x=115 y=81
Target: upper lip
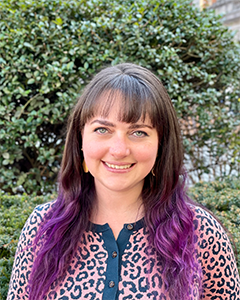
x=118 y=163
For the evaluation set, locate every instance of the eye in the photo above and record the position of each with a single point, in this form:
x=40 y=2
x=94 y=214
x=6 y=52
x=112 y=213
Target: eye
x=140 y=133
x=101 y=130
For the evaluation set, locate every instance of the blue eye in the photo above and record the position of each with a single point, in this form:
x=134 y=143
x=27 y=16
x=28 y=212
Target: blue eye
x=140 y=133
x=101 y=130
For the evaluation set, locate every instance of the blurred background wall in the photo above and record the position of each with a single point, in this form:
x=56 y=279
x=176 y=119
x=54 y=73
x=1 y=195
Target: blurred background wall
x=229 y=9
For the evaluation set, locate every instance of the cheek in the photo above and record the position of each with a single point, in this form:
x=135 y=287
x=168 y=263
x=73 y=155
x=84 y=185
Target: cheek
x=92 y=150
x=147 y=154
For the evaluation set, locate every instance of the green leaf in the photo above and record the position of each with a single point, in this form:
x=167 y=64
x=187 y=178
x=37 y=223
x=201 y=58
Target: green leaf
x=28 y=45
x=70 y=65
x=58 y=21
x=6 y=155
x=31 y=81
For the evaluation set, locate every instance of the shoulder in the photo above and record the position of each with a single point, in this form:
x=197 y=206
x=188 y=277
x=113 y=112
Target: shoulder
x=204 y=220
x=208 y=230
x=32 y=224
x=25 y=253
x=216 y=257
x=40 y=212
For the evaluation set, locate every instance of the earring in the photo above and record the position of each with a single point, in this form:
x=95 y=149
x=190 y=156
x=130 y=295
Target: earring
x=85 y=168
x=153 y=174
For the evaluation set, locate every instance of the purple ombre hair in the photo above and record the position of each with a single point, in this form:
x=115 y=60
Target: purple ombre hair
x=168 y=215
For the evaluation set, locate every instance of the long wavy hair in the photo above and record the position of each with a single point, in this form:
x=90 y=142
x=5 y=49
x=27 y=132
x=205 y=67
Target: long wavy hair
x=168 y=215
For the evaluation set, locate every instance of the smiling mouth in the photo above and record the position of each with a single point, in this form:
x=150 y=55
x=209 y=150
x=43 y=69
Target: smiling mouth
x=123 y=167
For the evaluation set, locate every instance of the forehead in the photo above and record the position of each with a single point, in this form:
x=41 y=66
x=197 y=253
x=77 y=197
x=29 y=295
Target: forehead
x=121 y=107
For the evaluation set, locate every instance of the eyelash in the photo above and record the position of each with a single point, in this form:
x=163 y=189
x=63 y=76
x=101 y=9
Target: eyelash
x=135 y=133
x=143 y=133
x=101 y=128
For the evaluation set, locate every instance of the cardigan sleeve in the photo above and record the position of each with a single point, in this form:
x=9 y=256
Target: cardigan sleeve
x=24 y=257
x=215 y=254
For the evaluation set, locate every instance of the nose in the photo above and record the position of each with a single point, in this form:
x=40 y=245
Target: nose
x=119 y=147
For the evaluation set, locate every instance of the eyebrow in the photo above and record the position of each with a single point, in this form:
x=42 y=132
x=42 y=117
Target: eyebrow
x=132 y=126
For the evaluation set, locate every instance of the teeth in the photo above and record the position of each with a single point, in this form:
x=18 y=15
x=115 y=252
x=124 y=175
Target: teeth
x=118 y=167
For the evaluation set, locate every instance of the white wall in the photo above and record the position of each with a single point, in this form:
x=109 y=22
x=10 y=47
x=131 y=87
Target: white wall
x=197 y=3
x=230 y=9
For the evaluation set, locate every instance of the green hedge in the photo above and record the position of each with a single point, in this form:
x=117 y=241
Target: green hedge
x=49 y=50
x=222 y=198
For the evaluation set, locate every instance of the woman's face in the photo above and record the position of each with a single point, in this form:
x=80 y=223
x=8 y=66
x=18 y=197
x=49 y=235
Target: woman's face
x=119 y=155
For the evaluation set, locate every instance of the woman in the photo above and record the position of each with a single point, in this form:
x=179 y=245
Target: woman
x=122 y=226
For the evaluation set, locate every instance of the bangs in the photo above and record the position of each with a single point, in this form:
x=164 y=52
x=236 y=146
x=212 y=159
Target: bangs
x=136 y=100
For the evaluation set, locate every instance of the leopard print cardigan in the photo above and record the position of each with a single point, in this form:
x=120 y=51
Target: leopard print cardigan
x=127 y=268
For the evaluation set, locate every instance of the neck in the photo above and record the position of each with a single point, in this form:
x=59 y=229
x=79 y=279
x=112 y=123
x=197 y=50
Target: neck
x=117 y=209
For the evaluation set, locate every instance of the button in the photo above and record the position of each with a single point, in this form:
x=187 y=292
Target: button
x=130 y=227
x=114 y=254
x=111 y=284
